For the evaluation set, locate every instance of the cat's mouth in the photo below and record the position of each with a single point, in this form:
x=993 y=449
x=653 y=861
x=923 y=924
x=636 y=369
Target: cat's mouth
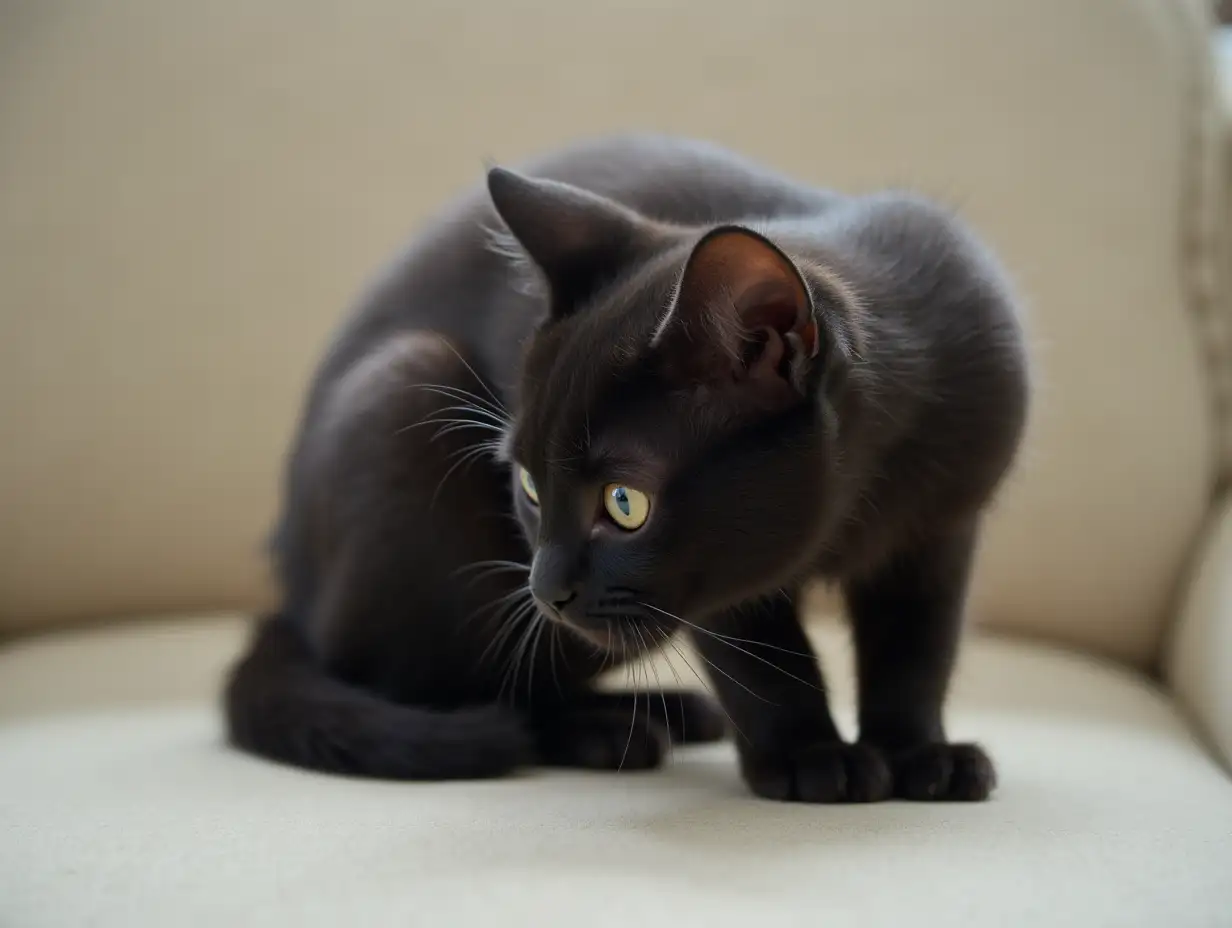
x=600 y=632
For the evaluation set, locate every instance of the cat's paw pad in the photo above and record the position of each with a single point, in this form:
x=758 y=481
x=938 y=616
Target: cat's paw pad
x=829 y=772
x=944 y=773
x=602 y=741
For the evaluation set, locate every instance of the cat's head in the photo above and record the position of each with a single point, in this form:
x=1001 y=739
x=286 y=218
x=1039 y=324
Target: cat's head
x=674 y=447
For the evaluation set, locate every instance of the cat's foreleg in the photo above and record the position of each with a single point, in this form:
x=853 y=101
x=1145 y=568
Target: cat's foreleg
x=770 y=684
x=906 y=618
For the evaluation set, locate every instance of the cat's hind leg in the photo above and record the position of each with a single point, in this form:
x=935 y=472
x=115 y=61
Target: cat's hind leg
x=418 y=651
x=405 y=626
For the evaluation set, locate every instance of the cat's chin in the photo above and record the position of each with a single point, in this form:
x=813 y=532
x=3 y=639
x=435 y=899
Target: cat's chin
x=611 y=636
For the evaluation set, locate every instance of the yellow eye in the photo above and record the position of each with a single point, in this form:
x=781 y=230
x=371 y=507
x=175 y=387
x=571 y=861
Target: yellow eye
x=628 y=507
x=528 y=485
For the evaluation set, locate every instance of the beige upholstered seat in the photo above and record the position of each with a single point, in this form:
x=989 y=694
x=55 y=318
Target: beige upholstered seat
x=191 y=194
x=123 y=805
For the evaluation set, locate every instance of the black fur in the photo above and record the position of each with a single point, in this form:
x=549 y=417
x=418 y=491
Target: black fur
x=802 y=384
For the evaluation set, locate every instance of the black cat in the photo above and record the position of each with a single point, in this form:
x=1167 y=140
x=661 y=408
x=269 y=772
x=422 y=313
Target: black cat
x=645 y=386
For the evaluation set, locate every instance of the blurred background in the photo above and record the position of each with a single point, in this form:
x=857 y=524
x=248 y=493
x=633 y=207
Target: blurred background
x=194 y=194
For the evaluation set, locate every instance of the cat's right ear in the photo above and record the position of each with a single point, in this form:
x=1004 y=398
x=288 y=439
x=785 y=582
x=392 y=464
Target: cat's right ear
x=574 y=237
x=742 y=315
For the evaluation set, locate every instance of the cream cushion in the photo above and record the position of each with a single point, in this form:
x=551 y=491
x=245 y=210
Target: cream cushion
x=1200 y=651
x=120 y=806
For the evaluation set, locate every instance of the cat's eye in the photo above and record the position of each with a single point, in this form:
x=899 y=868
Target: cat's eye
x=528 y=485
x=627 y=507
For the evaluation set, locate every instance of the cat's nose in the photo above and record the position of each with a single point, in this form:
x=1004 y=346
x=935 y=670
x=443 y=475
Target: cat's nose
x=561 y=599
x=557 y=595
x=550 y=579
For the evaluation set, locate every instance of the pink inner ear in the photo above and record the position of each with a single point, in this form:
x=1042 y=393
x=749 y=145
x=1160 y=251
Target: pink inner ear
x=780 y=316
x=748 y=303
x=784 y=316
x=772 y=351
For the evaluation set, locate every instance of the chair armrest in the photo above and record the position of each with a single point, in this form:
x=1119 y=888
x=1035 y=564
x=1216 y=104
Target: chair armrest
x=1223 y=65
x=1225 y=96
x=1198 y=664
x=1198 y=656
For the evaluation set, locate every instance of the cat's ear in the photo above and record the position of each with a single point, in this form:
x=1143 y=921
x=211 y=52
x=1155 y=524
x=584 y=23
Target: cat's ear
x=576 y=238
x=742 y=313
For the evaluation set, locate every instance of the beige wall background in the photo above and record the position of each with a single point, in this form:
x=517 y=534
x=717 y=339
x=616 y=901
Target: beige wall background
x=192 y=193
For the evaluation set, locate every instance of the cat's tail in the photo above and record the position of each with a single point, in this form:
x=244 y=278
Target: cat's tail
x=280 y=704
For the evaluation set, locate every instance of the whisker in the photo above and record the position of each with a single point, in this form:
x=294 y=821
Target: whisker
x=451 y=392
x=706 y=687
x=491 y=571
x=563 y=462
x=663 y=698
x=665 y=638
x=609 y=657
x=769 y=663
x=483 y=383
x=728 y=639
x=720 y=670
x=511 y=676
x=480 y=414
x=449 y=473
x=519 y=613
x=484 y=445
x=492 y=562
x=508 y=617
x=472 y=454
x=633 y=687
x=503 y=561
x=495 y=564
x=489 y=446
x=646 y=686
x=552 y=642
x=510 y=598
x=485 y=411
x=457 y=425
x=454 y=423
x=534 y=651
x=495 y=403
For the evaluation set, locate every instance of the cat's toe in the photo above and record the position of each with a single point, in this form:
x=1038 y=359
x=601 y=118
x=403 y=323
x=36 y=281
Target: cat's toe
x=602 y=741
x=824 y=772
x=944 y=773
x=868 y=774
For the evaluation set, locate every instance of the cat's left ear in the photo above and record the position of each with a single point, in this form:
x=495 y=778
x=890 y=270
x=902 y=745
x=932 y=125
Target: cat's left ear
x=575 y=237
x=742 y=313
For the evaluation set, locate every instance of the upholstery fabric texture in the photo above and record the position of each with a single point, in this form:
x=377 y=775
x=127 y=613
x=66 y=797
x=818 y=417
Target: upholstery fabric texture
x=119 y=805
x=1199 y=664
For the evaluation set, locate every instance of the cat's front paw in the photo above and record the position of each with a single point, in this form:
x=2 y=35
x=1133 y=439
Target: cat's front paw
x=944 y=773
x=829 y=771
